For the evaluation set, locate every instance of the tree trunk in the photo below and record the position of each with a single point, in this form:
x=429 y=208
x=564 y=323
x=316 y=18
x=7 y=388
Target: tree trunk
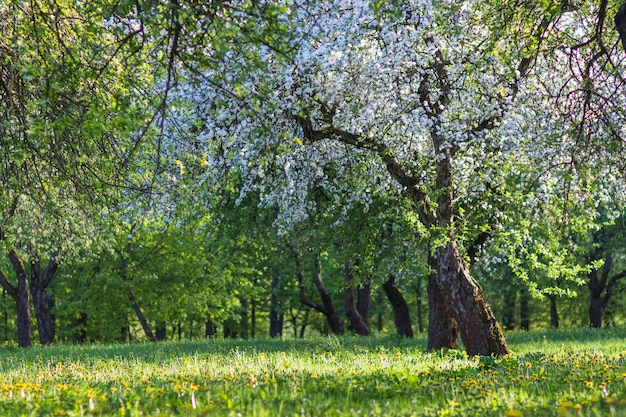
x=304 y=325
x=244 y=324
x=21 y=295
x=601 y=290
x=326 y=308
x=596 y=287
x=356 y=321
x=229 y=329
x=379 y=302
x=80 y=334
x=420 y=314
x=161 y=333
x=141 y=317
x=508 y=308
x=42 y=300
x=334 y=321
x=478 y=327
x=277 y=316
x=443 y=331
x=399 y=307
x=524 y=307
x=210 y=330
x=364 y=301
x=554 y=313
x=596 y=310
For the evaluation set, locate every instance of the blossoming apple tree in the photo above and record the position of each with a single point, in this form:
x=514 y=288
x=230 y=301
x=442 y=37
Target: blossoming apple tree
x=419 y=100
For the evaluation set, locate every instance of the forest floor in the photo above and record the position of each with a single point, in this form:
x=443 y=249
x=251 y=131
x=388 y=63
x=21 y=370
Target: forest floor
x=551 y=373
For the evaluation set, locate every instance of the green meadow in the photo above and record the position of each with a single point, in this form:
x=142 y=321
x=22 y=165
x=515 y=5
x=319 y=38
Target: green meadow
x=552 y=373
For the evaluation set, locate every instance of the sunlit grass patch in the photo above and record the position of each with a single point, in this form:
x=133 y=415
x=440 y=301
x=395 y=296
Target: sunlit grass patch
x=580 y=373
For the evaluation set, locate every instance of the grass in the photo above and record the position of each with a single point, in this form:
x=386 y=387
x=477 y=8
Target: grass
x=555 y=373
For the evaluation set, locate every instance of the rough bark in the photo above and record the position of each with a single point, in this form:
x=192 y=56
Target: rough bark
x=476 y=321
x=21 y=295
x=277 y=316
x=478 y=326
x=356 y=321
x=443 y=331
x=326 y=308
x=42 y=301
x=402 y=317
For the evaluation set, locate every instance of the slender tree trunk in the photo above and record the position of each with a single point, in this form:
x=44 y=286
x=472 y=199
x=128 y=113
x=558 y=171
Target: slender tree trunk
x=601 y=290
x=508 y=308
x=141 y=317
x=326 y=308
x=161 y=332
x=277 y=315
x=244 y=324
x=596 y=287
x=364 y=301
x=80 y=334
x=399 y=307
x=420 y=314
x=253 y=319
x=210 y=330
x=332 y=317
x=596 y=310
x=41 y=299
x=379 y=301
x=21 y=295
x=229 y=329
x=524 y=307
x=5 y=317
x=356 y=321
x=305 y=324
x=554 y=313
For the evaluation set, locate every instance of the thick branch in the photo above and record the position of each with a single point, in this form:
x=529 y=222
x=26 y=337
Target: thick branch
x=303 y=298
x=48 y=274
x=392 y=164
x=8 y=286
x=609 y=288
x=476 y=245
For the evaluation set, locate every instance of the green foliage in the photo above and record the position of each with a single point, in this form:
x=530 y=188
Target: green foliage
x=573 y=373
